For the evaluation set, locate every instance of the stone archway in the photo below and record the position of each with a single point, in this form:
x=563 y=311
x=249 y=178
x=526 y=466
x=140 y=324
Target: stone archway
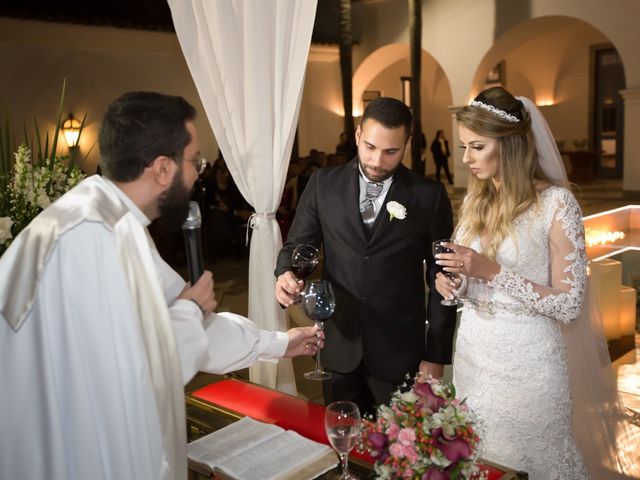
x=548 y=59
x=381 y=71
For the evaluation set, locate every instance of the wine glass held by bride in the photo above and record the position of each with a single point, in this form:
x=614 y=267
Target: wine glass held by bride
x=463 y=261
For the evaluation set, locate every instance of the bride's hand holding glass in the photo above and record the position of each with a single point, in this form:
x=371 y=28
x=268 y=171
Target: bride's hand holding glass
x=466 y=261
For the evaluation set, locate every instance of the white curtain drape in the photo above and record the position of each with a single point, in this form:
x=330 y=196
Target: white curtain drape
x=248 y=59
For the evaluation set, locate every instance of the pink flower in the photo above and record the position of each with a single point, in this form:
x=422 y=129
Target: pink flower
x=408 y=473
x=410 y=453
x=392 y=431
x=396 y=450
x=407 y=436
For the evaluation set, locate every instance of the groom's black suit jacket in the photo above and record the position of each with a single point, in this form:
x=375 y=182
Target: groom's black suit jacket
x=378 y=276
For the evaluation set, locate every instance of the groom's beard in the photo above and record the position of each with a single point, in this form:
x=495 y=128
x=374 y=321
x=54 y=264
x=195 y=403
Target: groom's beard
x=173 y=204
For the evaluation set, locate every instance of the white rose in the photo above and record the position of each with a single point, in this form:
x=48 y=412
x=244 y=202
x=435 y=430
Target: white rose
x=409 y=397
x=396 y=210
x=5 y=229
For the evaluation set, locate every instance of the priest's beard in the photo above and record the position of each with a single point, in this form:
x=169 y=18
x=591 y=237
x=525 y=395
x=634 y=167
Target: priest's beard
x=173 y=204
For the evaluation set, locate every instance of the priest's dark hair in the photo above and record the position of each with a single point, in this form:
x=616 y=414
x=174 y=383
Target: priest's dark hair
x=390 y=113
x=139 y=127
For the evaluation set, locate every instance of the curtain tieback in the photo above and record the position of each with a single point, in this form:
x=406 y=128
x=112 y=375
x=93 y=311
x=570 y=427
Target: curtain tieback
x=254 y=222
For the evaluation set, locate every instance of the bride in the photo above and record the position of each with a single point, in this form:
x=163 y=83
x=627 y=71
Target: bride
x=527 y=359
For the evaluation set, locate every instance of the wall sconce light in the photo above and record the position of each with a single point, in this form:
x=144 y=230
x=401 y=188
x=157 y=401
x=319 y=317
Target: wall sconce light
x=71 y=131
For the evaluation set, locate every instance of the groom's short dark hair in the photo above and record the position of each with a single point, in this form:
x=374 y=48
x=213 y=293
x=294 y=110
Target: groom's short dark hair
x=389 y=112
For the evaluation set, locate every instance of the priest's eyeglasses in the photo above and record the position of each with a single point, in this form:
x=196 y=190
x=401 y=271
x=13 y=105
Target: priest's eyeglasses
x=199 y=164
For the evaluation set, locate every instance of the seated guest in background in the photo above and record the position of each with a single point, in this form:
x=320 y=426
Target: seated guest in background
x=225 y=212
x=303 y=174
x=346 y=147
x=289 y=200
x=98 y=335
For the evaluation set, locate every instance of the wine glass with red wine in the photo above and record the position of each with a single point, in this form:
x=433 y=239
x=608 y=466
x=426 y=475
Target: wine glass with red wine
x=304 y=261
x=438 y=247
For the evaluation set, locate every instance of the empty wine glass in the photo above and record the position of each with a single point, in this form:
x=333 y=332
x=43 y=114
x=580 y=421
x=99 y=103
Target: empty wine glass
x=342 y=424
x=319 y=304
x=438 y=247
x=304 y=260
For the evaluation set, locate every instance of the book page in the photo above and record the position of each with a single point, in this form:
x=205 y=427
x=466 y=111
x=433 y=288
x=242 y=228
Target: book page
x=278 y=458
x=221 y=445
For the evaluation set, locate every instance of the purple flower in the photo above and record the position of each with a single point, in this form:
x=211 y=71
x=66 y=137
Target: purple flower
x=380 y=445
x=455 y=449
x=434 y=474
x=432 y=401
x=378 y=441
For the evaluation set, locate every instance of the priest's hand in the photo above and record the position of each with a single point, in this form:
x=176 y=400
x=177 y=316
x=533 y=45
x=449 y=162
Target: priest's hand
x=288 y=287
x=201 y=293
x=304 y=341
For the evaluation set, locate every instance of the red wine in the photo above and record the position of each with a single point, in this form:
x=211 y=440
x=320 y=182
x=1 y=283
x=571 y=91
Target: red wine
x=303 y=270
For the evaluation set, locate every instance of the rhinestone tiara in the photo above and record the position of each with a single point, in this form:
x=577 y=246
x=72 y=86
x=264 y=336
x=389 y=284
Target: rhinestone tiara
x=495 y=111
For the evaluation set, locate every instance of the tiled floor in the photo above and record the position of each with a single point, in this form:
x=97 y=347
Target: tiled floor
x=231 y=290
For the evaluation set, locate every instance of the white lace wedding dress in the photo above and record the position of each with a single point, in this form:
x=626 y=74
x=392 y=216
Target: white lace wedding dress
x=510 y=361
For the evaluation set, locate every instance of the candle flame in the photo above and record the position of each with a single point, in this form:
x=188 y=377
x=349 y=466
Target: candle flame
x=601 y=237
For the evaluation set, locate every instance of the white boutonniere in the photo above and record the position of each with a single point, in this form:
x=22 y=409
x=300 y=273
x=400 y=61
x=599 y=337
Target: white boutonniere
x=396 y=210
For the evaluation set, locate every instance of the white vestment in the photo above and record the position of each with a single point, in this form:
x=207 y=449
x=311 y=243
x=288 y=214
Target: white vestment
x=77 y=390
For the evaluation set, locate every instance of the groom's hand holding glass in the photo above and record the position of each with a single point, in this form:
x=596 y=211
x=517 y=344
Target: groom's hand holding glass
x=290 y=284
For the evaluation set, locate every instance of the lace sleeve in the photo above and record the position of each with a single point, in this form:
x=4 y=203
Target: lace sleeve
x=567 y=262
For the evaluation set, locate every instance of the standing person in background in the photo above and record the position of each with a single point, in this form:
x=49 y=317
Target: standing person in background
x=440 y=151
x=375 y=262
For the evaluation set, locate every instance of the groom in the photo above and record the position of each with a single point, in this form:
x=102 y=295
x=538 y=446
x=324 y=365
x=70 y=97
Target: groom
x=375 y=263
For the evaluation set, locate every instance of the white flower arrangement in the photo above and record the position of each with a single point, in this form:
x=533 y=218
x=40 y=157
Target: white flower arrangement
x=396 y=210
x=30 y=188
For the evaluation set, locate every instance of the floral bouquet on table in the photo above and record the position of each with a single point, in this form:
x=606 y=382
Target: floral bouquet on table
x=424 y=434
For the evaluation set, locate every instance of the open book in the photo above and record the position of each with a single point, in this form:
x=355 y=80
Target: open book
x=252 y=450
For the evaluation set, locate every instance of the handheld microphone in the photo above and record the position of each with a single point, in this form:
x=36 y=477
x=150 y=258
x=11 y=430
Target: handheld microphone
x=193 y=242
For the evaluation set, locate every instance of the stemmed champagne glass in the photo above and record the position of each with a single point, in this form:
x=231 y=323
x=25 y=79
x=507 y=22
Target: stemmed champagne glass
x=438 y=247
x=319 y=304
x=304 y=261
x=342 y=424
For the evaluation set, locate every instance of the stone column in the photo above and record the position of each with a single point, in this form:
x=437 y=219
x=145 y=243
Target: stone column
x=631 y=172
x=460 y=170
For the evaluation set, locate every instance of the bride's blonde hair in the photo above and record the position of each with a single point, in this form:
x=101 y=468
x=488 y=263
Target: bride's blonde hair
x=488 y=207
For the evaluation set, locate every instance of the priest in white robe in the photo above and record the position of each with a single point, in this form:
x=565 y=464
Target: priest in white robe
x=98 y=334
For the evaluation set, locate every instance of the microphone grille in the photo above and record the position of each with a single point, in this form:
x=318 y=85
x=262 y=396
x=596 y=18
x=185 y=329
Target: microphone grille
x=194 y=219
